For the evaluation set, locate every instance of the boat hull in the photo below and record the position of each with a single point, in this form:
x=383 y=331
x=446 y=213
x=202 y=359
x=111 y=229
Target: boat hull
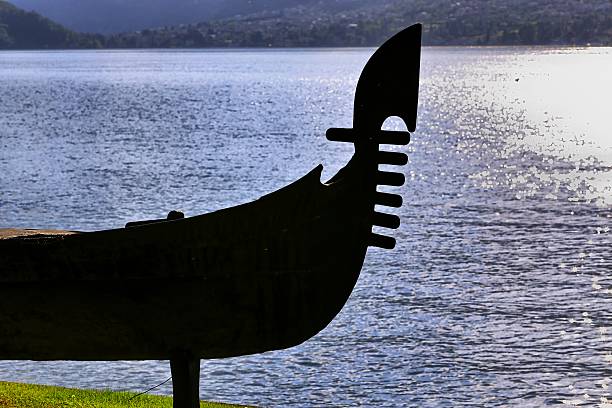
x=262 y=276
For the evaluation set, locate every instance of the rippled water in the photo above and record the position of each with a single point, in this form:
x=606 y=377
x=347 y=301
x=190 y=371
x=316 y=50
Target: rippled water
x=500 y=290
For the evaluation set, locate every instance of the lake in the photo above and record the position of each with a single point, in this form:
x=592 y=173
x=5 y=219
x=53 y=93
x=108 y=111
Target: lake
x=499 y=292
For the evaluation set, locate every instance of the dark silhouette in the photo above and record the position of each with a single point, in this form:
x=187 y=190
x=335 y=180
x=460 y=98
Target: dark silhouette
x=261 y=276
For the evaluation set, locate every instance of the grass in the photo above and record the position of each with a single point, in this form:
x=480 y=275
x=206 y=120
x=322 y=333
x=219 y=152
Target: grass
x=14 y=395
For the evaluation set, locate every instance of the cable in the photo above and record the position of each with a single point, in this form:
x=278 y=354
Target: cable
x=150 y=389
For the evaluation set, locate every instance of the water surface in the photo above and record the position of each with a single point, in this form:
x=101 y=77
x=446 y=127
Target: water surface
x=499 y=292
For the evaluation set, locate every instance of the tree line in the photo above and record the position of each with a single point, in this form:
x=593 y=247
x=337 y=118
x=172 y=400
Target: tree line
x=471 y=23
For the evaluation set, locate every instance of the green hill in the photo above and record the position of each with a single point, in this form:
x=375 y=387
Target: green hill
x=307 y=23
x=368 y=23
x=28 y=30
x=114 y=16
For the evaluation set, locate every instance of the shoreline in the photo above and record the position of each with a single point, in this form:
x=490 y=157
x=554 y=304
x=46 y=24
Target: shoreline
x=22 y=395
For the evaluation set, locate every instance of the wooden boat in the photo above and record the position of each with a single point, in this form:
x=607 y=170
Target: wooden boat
x=261 y=276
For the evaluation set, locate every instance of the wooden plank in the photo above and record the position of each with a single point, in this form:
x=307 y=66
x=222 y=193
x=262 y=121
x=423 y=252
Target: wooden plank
x=7 y=233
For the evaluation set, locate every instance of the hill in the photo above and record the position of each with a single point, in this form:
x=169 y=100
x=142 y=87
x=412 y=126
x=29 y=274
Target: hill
x=28 y=30
x=360 y=23
x=113 y=16
x=309 y=23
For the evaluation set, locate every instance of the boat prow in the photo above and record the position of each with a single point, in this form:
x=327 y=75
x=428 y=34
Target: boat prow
x=260 y=276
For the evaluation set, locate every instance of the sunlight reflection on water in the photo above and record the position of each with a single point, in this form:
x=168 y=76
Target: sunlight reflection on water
x=554 y=102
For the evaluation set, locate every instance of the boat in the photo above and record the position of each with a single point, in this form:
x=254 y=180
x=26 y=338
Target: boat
x=261 y=276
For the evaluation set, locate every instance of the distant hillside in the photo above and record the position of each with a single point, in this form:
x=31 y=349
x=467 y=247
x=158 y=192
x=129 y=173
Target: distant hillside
x=113 y=16
x=309 y=23
x=368 y=23
x=27 y=30
x=220 y=23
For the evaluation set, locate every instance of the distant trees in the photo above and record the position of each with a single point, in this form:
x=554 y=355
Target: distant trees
x=468 y=22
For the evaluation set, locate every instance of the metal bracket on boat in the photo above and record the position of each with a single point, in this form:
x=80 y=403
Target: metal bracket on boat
x=172 y=215
x=392 y=137
x=384 y=178
x=388 y=86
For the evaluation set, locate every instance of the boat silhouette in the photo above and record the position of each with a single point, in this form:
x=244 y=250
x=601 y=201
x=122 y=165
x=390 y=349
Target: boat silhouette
x=261 y=276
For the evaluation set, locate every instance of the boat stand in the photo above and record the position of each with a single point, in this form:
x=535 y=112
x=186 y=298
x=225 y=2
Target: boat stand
x=185 y=382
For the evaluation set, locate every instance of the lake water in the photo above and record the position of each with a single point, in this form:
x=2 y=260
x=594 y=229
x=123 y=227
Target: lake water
x=499 y=292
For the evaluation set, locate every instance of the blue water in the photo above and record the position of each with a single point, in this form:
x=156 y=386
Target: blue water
x=499 y=292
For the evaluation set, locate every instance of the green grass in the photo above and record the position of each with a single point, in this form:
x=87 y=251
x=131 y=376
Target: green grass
x=13 y=395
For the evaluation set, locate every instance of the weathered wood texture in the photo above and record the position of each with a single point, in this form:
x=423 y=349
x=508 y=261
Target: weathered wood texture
x=6 y=233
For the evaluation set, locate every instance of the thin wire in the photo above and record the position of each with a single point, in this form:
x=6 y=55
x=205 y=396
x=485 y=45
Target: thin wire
x=150 y=389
